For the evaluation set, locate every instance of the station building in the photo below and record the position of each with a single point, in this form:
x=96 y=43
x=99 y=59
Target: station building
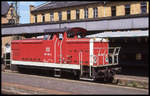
x=75 y=10
x=8 y=17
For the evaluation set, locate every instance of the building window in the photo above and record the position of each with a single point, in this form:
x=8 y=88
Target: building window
x=113 y=10
x=77 y=14
x=11 y=21
x=86 y=13
x=43 y=18
x=70 y=35
x=35 y=18
x=95 y=12
x=51 y=16
x=127 y=9
x=143 y=7
x=60 y=16
x=138 y=56
x=12 y=13
x=68 y=14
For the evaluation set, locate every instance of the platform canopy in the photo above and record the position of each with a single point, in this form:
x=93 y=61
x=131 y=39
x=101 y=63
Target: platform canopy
x=121 y=34
x=111 y=24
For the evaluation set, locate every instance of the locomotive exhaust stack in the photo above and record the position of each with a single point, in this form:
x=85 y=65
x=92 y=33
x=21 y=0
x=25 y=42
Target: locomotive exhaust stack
x=66 y=49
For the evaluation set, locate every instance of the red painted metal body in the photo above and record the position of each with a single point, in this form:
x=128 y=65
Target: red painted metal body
x=66 y=51
x=63 y=50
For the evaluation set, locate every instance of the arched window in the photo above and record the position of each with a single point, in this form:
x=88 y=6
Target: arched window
x=43 y=18
x=60 y=16
x=70 y=34
x=51 y=16
x=86 y=13
x=77 y=14
x=95 y=12
x=127 y=9
x=113 y=10
x=68 y=14
x=35 y=18
x=143 y=7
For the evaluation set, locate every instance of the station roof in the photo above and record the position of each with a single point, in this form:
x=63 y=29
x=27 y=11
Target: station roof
x=62 y=4
x=56 y=30
x=5 y=8
x=65 y=29
x=121 y=34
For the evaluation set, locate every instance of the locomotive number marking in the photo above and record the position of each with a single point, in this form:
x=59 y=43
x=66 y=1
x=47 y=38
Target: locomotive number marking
x=47 y=49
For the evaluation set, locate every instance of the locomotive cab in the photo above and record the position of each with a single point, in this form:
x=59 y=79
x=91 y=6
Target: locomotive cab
x=76 y=33
x=51 y=36
x=70 y=33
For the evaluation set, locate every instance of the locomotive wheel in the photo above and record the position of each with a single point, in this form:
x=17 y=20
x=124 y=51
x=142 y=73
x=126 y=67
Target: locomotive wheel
x=76 y=74
x=14 y=68
x=108 y=76
x=19 y=69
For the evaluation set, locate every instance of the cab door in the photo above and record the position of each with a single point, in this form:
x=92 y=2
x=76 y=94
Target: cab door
x=48 y=49
x=58 y=48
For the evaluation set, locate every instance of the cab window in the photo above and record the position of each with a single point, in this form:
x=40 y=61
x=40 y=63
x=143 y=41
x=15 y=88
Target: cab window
x=80 y=35
x=60 y=36
x=51 y=36
x=48 y=36
x=70 y=34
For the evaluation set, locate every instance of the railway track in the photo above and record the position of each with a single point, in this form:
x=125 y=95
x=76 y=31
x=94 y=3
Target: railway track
x=33 y=84
x=14 y=88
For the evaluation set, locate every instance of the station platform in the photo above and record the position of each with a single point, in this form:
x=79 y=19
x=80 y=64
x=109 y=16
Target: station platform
x=124 y=80
x=132 y=81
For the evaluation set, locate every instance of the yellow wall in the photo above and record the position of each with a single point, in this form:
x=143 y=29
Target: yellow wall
x=82 y=13
x=73 y=14
x=39 y=18
x=56 y=16
x=47 y=17
x=4 y=20
x=32 y=18
x=135 y=8
x=32 y=15
x=64 y=15
x=120 y=10
x=90 y=13
x=100 y=11
x=107 y=11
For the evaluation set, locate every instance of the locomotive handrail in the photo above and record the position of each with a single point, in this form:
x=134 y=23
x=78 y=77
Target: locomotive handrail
x=80 y=62
x=113 y=54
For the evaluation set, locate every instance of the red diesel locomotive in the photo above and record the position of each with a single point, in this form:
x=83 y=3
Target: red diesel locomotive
x=67 y=49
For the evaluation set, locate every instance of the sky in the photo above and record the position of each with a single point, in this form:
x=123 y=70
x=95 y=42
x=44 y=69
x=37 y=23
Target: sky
x=24 y=9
